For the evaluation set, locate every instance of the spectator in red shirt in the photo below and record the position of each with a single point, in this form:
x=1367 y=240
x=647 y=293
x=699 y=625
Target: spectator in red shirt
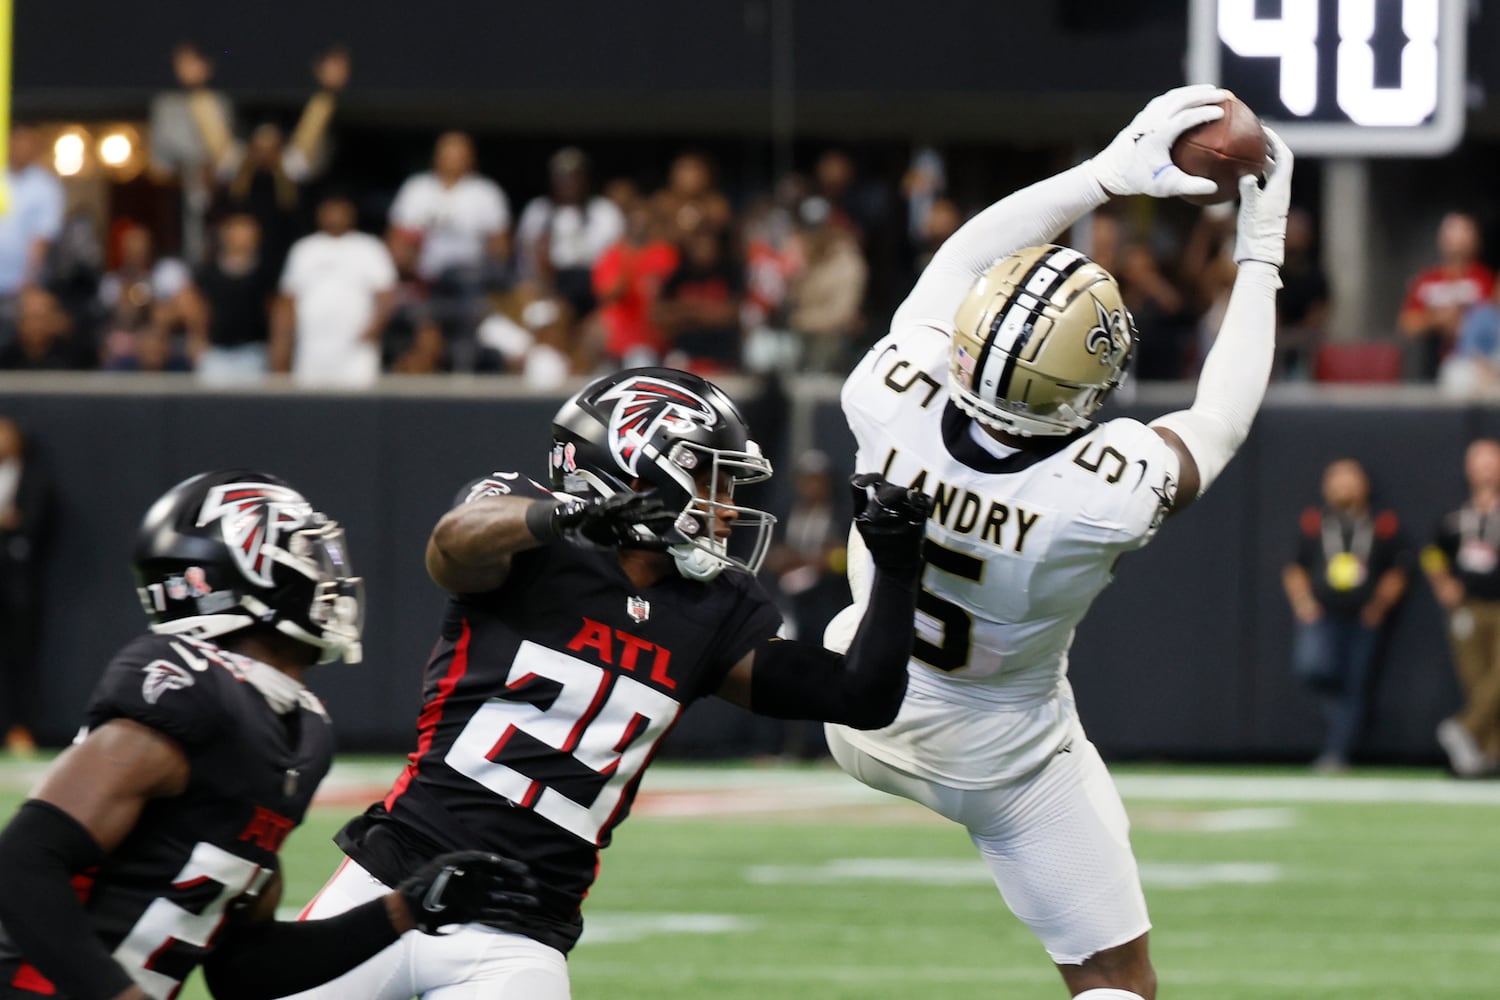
x=1440 y=295
x=627 y=278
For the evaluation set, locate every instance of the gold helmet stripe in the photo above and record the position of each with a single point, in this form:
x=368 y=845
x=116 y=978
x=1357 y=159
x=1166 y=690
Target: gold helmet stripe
x=1048 y=274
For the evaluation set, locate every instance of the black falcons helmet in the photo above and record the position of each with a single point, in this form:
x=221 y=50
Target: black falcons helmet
x=678 y=436
x=226 y=550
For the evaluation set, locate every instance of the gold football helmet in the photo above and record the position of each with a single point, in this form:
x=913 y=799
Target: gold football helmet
x=1040 y=342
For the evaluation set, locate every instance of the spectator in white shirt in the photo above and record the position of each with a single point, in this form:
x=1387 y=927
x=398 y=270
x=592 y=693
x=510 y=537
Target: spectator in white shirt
x=451 y=227
x=561 y=236
x=337 y=293
x=450 y=218
x=34 y=217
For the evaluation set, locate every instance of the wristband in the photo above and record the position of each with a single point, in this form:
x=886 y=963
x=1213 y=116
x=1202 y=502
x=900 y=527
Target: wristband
x=539 y=521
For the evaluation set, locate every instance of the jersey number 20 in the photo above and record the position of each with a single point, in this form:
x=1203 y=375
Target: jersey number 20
x=596 y=734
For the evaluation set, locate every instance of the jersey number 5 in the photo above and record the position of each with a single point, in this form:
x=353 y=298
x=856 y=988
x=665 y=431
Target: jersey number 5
x=952 y=652
x=566 y=741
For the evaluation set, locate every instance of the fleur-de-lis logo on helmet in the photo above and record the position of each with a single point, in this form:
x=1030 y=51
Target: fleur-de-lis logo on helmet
x=1109 y=338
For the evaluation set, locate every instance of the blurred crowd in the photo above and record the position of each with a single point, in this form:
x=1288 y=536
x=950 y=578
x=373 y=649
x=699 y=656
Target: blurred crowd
x=273 y=270
x=1450 y=316
x=266 y=265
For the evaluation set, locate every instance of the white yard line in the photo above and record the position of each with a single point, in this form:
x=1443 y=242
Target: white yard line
x=955 y=871
x=1143 y=786
x=1258 y=788
x=831 y=786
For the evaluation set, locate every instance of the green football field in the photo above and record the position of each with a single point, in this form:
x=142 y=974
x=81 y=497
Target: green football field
x=738 y=883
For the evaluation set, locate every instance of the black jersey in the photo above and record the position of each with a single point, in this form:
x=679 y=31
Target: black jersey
x=543 y=703
x=158 y=900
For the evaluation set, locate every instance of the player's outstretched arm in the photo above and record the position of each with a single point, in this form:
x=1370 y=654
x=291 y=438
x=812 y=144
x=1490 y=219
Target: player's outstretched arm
x=470 y=549
x=1138 y=161
x=1233 y=381
x=259 y=958
x=864 y=686
x=85 y=807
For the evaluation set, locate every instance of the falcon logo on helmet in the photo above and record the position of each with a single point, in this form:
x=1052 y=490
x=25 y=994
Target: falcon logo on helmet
x=253 y=517
x=644 y=406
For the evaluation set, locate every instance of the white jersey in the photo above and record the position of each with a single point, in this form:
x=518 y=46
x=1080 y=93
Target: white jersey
x=1019 y=545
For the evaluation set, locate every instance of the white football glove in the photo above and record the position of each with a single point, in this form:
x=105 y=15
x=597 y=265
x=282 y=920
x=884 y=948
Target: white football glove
x=1139 y=160
x=1260 y=231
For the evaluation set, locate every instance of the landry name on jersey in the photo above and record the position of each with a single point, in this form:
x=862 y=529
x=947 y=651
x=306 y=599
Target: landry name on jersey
x=1019 y=543
x=159 y=899
x=542 y=705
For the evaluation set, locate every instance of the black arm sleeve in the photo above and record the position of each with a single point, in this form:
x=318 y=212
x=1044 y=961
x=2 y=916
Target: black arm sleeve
x=40 y=851
x=862 y=688
x=260 y=961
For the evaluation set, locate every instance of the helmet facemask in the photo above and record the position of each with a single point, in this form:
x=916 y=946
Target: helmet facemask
x=711 y=478
x=336 y=610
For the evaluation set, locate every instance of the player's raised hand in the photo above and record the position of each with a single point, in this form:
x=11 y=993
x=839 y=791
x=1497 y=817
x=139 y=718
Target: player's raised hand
x=613 y=521
x=1139 y=160
x=1260 y=232
x=469 y=887
x=892 y=520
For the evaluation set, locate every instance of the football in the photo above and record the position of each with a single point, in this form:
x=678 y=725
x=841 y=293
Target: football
x=1223 y=151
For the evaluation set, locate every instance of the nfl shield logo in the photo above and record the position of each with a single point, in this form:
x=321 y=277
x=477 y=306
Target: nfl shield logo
x=638 y=608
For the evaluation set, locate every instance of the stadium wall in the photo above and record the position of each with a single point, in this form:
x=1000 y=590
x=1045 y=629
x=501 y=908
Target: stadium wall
x=1184 y=657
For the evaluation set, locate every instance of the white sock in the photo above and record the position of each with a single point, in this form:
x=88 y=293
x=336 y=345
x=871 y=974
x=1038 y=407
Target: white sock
x=1108 y=994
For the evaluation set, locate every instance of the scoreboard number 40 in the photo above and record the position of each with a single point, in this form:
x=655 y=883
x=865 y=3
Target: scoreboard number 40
x=1340 y=77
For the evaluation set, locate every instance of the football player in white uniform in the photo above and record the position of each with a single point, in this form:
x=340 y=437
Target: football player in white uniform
x=982 y=396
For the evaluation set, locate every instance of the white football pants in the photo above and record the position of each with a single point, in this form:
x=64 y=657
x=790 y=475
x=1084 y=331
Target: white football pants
x=1057 y=844
x=472 y=962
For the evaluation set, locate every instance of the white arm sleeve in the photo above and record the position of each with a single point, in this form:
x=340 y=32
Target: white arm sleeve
x=1032 y=215
x=1234 y=377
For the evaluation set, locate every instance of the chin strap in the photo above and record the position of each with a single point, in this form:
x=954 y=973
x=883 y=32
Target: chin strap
x=696 y=562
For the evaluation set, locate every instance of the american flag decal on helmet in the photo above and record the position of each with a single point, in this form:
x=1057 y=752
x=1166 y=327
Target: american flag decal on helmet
x=645 y=405
x=253 y=516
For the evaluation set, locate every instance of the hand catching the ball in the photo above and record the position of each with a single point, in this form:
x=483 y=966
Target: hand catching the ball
x=1139 y=160
x=1260 y=232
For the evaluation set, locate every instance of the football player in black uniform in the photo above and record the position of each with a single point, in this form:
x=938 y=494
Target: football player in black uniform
x=151 y=845
x=583 y=621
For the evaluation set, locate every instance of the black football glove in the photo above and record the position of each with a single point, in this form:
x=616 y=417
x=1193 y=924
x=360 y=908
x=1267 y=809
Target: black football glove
x=893 y=522
x=469 y=887
x=608 y=523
